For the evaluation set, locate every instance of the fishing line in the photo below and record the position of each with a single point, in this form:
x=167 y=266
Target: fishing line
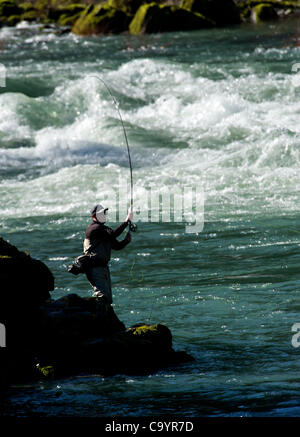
x=132 y=226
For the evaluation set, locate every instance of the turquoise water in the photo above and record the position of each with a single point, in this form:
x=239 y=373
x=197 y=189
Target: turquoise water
x=217 y=109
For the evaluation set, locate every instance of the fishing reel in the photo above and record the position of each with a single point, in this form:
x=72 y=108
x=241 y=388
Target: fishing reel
x=132 y=227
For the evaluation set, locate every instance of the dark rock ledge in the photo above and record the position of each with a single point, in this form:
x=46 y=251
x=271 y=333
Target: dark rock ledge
x=89 y=17
x=67 y=336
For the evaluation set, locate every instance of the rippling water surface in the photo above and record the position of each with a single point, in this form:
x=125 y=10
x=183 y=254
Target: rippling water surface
x=217 y=109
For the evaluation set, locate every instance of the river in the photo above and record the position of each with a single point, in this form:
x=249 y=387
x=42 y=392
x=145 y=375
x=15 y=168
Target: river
x=216 y=110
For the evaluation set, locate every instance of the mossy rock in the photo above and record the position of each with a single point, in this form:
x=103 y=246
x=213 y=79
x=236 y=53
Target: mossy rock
x=26 y=6
x=9 y=12
x=223 y=12
x=158 y=334
x=9 y=7
x=66 y=15
x=101 y=19
x=13 y=20
x=153 y=18
x=30 y=15
x=121 y=5
x=263 y=12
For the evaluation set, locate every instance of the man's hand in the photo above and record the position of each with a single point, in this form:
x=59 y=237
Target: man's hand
x=128 y=237
x=129 y=217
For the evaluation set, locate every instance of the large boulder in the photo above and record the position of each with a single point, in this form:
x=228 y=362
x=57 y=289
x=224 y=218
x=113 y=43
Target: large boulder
x=25 y=281
x=9 y=12
x=223 y=12
x=77 y=338
x=153 y=18
x=100 y=19
x=24 y=286
x=46 y=337
x=67 y=15
x=263 y=12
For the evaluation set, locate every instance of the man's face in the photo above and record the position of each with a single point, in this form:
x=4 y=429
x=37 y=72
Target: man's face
x=100 y=217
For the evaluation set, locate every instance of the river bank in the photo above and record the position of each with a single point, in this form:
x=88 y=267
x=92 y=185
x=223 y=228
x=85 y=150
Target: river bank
x=217 y=108
x=139 y=16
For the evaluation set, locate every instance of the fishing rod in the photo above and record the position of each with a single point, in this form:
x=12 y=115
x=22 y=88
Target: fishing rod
x=132 y=226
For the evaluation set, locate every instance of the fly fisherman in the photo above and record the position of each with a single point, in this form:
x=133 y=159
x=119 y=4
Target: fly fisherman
x=99 y=240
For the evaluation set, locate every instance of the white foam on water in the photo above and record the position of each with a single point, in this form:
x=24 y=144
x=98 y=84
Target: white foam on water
x=241 y=135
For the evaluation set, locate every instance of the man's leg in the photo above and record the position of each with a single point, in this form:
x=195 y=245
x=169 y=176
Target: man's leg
x=99 y=278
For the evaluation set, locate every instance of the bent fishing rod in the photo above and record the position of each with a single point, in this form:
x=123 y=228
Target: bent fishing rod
x=132 y=226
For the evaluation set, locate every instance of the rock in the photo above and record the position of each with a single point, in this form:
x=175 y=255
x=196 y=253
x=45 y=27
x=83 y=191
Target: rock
x=101 y=19
x=24 y=285
x=75 y=339
x=263 y=12
x=8 y=9
x=159 y=335
x=24 y=281
x=73 y=334
x=67 y=15
x=121 y=5
x=223 y=12
x=153 y=18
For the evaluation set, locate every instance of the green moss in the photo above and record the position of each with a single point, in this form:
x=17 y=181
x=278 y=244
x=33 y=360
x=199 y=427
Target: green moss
x=68 y=15
x=47 y=371
x=144 y=329
x=263 y=12
x=26 y=6
x=101 y=19
x=158 y=334
x=118 y=4
x=30 y=15
x=138 y=24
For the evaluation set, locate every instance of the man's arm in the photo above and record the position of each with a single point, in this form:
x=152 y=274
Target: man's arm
x=118 y=245
x=118 y=231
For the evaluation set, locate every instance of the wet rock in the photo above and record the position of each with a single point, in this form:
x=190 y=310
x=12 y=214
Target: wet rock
x=153 y=18
x=24 y=285
x=67 y=15
x=25 y=281
x=101 y=19
x=263 y=12
x=9 y=11
x=160 y=335
x=70 y=335
x=223 y=13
